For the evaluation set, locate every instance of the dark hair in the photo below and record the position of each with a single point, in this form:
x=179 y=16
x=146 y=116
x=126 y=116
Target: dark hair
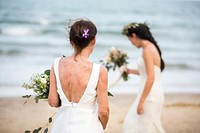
x=81 y=33
x=143 y=32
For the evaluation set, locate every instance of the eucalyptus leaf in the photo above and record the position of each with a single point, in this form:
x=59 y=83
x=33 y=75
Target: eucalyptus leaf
x=110 y=94
x=50 y=119
x=28 y=96
x=35 y=131
x=40 y=128
x=47 y=72
x=24 y=96
x=46 y=130
x=25 y=102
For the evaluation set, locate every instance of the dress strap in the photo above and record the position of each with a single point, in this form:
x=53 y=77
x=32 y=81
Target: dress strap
x=56 y=64
x=95 y=76
x=58 y=84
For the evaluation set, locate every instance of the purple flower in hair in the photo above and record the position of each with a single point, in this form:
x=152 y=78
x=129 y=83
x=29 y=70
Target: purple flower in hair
x=85 y=34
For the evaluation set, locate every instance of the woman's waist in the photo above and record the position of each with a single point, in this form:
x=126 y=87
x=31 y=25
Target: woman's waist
x=155 y=91
x=79 y=106
x=78 y=114
x=157 y=81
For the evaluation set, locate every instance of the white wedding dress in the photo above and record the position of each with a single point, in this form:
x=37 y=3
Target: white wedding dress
x=81 y=117
x=150 y=121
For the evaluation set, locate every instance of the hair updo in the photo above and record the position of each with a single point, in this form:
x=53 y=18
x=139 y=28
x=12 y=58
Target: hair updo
x=143 y=32
x=81 y=33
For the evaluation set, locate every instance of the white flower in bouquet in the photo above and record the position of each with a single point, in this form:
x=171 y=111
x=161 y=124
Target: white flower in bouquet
x=113 y=50
x=39 y=83
x=43 y=80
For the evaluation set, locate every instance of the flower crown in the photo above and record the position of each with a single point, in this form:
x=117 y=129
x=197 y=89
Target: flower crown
x=129 y=26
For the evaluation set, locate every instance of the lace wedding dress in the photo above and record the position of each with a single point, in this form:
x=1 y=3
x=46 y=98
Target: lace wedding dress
x=149 y=122
x=81 y=117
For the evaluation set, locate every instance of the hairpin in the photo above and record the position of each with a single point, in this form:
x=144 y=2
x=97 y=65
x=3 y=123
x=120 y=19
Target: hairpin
x=85 y=34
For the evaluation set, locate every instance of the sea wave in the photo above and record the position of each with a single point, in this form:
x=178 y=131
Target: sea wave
x=36 y=22
x=11 y=52
x=25 y=31
x=16 y=31
x=183 y=66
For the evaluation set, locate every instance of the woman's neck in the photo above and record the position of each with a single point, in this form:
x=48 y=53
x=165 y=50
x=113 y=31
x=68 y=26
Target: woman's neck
x=144 y=43
x=83 y=56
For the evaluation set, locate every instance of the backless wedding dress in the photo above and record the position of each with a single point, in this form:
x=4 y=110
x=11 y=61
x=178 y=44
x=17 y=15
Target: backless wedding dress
x=150 y=121
x=81 y=117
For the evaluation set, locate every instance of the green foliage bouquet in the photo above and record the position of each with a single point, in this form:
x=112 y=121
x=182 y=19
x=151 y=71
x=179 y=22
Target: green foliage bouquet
x=117 y=58
x=39 y=83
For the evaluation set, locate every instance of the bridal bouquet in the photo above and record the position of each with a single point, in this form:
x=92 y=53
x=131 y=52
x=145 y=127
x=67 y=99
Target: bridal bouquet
x=117 y=58
x=39 y=83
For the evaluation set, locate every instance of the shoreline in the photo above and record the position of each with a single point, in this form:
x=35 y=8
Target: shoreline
x=121 y=89
x=180 y=113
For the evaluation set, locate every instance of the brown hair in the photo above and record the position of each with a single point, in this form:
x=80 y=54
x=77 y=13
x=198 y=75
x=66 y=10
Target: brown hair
x=81 y=33
x=143 y=32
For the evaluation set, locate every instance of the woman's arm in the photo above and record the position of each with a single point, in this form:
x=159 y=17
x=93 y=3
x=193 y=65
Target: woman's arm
x=102 y=94
x=148 y=59
x=131 y=71
x=53 y=98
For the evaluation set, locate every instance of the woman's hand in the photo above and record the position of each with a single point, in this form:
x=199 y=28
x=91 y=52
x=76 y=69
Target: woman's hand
x=140 y=109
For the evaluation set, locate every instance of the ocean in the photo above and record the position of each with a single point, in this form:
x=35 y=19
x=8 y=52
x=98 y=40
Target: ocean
x=33 y=33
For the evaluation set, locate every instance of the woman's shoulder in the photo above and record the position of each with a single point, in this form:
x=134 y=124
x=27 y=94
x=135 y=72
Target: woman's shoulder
x=58 y=58
x=102 y=67
x=103 y=70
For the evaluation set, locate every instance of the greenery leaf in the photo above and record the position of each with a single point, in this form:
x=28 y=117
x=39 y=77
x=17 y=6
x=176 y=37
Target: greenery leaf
x=50 y=119
x=26 y=96
x=46 y=130
x=35 y=131
x=25 y=102
x=36 y=99
x=110 y=94
x=47 y=72
x=27 y=131
x=40 y=128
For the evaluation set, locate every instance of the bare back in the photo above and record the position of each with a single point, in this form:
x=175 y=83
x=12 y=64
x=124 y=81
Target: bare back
x=74 y=77
x=155 y=55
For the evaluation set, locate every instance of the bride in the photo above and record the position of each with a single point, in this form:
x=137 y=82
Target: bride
x=79 y=86
x=144 y=115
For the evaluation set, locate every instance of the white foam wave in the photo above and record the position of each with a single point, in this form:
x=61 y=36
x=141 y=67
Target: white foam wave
x=43 y=21
x=16 y=31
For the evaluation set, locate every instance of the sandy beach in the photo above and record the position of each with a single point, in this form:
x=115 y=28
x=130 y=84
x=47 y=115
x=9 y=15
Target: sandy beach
x=181 y=113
